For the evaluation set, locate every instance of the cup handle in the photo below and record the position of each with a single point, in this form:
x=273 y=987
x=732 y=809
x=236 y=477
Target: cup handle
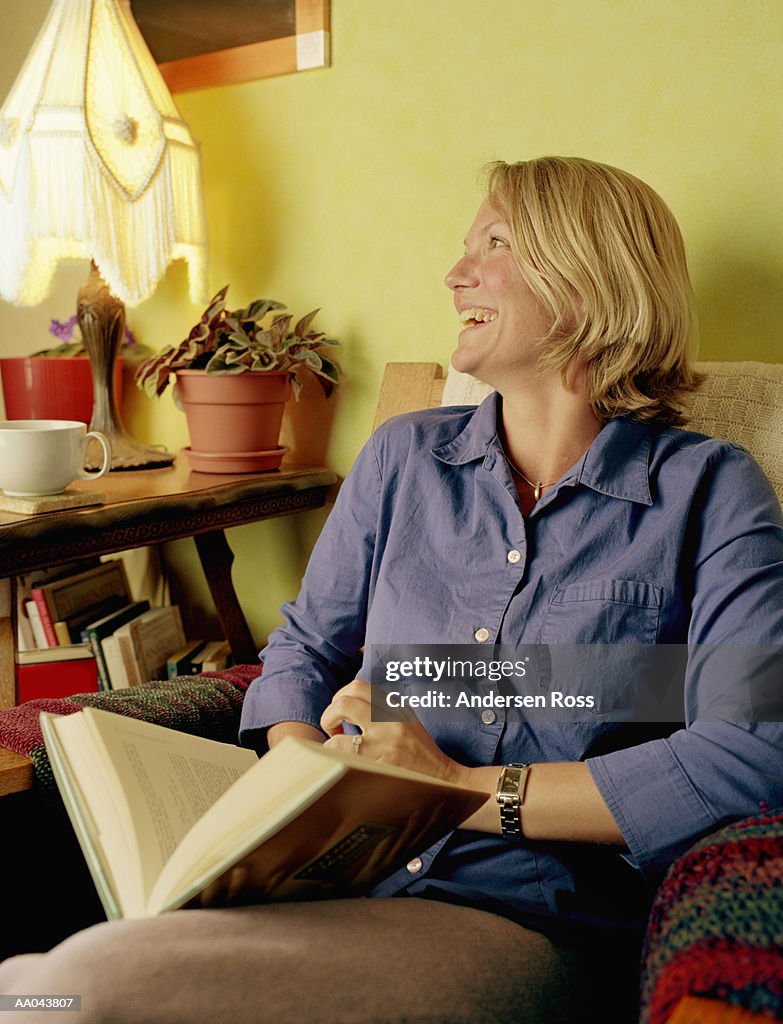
x=86 y=474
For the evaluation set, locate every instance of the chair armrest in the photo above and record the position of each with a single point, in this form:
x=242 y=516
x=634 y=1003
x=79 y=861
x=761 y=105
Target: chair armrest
x=714 y=928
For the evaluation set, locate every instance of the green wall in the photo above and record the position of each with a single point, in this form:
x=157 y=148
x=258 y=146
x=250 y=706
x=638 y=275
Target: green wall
x=351 y=188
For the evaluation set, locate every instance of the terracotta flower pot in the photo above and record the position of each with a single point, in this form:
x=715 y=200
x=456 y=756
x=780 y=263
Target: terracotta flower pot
x=234 y=420
x=51 y=388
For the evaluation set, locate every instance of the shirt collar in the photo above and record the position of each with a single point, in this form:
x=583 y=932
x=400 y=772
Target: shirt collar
x=476 y=437
x=616 y=463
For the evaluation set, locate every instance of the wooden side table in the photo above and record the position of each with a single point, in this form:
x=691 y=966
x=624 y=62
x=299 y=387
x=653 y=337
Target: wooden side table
x=149 y=507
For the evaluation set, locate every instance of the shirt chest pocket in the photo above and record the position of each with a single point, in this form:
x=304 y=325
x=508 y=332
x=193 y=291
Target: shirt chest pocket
x=603 y=612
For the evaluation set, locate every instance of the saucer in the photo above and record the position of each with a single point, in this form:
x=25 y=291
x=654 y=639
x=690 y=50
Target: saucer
x=235 y=462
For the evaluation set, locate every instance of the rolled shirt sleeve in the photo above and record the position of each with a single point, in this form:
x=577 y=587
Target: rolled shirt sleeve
x=317 y=649
x=665 y=793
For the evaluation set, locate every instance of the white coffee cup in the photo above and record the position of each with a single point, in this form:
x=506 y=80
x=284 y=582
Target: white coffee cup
x=39 y=457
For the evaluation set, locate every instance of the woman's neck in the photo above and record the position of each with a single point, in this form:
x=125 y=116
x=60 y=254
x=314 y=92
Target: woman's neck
x=546 y=429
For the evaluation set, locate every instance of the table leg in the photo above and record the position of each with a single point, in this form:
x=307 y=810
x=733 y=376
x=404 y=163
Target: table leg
x=7 y=643
x=216 y=560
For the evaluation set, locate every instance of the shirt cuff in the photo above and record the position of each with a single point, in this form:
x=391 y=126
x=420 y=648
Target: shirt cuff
x=655 y=805
x=286 y=699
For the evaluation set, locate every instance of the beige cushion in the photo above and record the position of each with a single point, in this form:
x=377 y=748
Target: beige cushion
x=741 y=402
x=462 y=389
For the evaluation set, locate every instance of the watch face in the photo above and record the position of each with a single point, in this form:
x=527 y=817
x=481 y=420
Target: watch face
x=509 y=783
x=509 y=798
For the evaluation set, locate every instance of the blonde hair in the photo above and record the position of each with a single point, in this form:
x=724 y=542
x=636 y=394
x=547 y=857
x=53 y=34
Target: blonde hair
x=604 y=253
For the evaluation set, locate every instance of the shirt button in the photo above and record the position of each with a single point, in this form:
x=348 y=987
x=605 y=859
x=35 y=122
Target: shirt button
x=488 y=717
x=482 y=635
x=415 y=865
x=513 y=556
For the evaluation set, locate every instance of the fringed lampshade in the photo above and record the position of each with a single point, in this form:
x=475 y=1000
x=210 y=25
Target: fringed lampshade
x=97 y=163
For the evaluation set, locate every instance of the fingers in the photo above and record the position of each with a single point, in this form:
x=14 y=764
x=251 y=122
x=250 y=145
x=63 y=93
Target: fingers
x=227 y=889
x=350 y=704
x=344 y=744
x=403 y=741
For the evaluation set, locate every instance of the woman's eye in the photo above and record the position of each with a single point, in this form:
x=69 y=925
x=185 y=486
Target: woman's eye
x=496 y=242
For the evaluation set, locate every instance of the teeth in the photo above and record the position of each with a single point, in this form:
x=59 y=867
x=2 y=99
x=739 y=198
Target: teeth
x=481 y=316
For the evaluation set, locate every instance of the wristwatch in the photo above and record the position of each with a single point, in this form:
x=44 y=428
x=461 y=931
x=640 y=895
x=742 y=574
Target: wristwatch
x=509 y=795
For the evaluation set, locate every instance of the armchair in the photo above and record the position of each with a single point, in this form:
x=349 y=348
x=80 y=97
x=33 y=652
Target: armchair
x=712 y=951
x=740 y=401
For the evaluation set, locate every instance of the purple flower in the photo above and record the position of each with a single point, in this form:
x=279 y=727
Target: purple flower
x=129 y=338
x=63 y=331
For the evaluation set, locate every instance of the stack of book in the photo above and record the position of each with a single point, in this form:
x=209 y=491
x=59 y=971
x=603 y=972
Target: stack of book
x=59 y=605
x=80 y=630
x=199 y=656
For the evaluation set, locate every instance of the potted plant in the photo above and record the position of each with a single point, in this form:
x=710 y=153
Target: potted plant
x=56 y=382
x=234 y=372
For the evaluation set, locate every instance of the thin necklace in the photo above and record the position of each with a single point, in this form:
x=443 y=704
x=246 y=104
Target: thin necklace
x=537 y=487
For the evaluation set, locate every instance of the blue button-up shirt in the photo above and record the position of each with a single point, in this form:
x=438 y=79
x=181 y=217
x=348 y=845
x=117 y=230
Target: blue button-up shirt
x=656 y=535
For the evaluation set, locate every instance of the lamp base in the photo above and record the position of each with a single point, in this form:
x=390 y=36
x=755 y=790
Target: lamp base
x=102 y=322
x=126 y=453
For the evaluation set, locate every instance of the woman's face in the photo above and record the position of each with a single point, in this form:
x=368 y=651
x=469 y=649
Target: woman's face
x=504 y=321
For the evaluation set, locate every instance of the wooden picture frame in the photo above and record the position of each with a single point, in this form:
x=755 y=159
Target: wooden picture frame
x=308 y=46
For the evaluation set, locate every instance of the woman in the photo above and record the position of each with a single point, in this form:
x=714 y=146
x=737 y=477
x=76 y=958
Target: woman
x=567 y=509
x=564 y=510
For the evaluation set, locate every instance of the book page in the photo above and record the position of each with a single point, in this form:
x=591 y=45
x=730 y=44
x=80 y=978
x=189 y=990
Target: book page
x=84 y=783
x=168 y=779
x=271 y=813
x=286 y=779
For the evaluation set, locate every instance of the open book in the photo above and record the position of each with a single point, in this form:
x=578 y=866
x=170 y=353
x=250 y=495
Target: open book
x=161 y=815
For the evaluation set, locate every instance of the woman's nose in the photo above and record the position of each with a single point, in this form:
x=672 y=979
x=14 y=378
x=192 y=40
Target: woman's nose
x=462 y=274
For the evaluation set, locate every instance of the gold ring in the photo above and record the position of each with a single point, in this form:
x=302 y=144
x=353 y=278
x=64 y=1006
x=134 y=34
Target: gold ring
x=356 y=739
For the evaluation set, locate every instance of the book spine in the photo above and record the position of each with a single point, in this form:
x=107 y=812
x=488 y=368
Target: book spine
x=98 y=631
x=215 y=666
x=104 y=679
x=214 y=657
x=56 y=679
x=62 y=632
x=39 y=597
x=34 y=618
x=25 y=639
x=115 y=669
x=128 y=654
x=54 y=655
x=78 y=624
x=182 y=664
x=74 y=594
x=155 y=639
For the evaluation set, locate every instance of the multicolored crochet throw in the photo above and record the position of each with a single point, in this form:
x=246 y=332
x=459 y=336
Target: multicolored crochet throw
x=716 y=927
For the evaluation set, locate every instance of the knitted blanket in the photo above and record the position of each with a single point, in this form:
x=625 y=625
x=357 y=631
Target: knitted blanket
x=716 y=927
x=205 y=705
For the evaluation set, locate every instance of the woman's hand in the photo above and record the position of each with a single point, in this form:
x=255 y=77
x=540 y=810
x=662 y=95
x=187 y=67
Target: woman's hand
x=404 y=742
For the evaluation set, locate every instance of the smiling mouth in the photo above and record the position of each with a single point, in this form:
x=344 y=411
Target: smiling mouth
x=473 y=316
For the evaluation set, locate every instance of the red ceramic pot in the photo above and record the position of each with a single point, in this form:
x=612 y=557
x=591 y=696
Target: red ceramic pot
x=51 y=388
